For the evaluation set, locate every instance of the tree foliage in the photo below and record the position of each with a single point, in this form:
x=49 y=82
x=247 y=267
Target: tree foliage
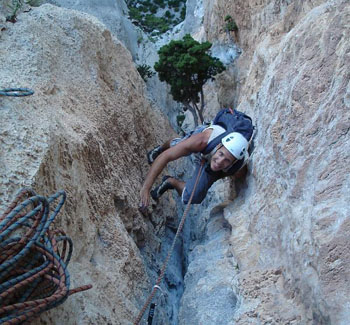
x=186 y=66
x=149 y=15
x=145 y=71
x=231 y=24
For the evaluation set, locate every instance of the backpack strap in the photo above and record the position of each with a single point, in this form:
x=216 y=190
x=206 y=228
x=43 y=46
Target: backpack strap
x=232 y=121
x=218 y=121
x=213 y=143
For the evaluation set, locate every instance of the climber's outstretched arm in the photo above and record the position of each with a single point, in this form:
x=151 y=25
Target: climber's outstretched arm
x=195 y=143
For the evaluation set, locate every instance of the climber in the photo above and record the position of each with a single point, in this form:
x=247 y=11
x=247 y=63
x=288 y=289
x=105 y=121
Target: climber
x=225 y=152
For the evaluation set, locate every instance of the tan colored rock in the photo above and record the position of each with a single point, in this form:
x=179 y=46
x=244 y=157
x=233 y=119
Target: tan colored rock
x=86 y=130
x=290 y=219
x=283 y=256
x=300 y=165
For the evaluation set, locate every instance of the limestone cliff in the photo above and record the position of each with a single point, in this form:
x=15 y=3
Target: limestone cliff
x=268 y=249
x=287 y=255
x=86 y=130
x=114 y=14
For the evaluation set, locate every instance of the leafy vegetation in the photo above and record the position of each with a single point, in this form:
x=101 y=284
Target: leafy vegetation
x=16 y=5
x=145 y=71
x=180 y=119
x=156 y=16
x=186 y=66
x=230 y=24
x=34 y=3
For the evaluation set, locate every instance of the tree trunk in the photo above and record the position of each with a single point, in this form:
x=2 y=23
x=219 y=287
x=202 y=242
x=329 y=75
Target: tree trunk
x=194 y=113
x=199 y=112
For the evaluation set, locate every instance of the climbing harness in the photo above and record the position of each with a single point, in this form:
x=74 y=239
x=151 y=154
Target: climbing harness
x=33 y=258
x=165 y=264
x=16 y=92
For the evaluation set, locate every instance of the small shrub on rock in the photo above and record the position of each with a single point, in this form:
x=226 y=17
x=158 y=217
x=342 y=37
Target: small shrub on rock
x=145 y=71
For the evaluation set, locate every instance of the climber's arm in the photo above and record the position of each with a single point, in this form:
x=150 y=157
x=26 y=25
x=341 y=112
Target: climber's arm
x=195 y=143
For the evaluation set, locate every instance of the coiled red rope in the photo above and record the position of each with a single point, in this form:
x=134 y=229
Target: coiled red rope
x=33 y=258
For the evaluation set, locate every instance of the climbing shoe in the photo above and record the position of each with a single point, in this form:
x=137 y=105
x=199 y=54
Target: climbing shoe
x=161 y=188
x=153 y=154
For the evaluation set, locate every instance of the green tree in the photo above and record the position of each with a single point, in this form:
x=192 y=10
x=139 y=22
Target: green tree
x=186 y=66
x=183 y=13
x=145 y=71
x=135 y=13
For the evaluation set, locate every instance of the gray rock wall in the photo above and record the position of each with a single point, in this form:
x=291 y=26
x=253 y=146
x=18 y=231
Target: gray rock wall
x=113 y=14
x=304 y=192
x=290 y=219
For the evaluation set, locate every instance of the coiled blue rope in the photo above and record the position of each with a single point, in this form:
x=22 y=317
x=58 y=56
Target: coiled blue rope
x=16 y=92
x=33 y=270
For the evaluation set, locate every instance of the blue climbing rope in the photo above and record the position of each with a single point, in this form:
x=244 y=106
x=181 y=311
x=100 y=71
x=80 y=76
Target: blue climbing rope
x=33 y=258
x=16 y=92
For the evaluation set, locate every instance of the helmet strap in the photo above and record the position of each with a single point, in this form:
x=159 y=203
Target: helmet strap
x=213 y=153
x=218 y=147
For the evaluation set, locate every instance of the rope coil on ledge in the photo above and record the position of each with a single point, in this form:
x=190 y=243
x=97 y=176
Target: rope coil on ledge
x=33 y=258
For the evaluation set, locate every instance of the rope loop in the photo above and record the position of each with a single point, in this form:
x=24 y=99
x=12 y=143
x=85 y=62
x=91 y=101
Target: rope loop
x=33 y=258
x=16 y=92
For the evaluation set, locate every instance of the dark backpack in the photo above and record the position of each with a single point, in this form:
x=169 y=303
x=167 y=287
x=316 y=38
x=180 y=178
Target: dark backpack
x=232 y=121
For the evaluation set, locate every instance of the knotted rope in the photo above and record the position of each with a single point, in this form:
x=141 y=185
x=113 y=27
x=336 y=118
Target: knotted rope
x=33 y=258
x=165 y=264
x=16 y=92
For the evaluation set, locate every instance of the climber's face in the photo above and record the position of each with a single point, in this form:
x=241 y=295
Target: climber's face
x=222 y=159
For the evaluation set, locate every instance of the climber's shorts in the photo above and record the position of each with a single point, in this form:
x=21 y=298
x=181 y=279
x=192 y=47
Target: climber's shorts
x=206 y=180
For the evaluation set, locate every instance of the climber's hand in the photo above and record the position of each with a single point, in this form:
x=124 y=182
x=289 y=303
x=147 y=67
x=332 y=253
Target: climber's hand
x=144 y=199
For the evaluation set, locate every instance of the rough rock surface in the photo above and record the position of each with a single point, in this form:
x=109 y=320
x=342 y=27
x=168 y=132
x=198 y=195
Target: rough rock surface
x=86 y=130
x=290 y=221
x=208 y=276
x=114 y=14
x=277 y=254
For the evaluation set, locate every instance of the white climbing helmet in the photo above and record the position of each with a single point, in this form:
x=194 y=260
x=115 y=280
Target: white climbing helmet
x=236 y=144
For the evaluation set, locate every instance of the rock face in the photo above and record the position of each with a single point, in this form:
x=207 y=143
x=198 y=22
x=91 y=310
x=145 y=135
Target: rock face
x=290 y=219
x=268 y=249
x=114 y=14
x=86 y=130
x=209 y=297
